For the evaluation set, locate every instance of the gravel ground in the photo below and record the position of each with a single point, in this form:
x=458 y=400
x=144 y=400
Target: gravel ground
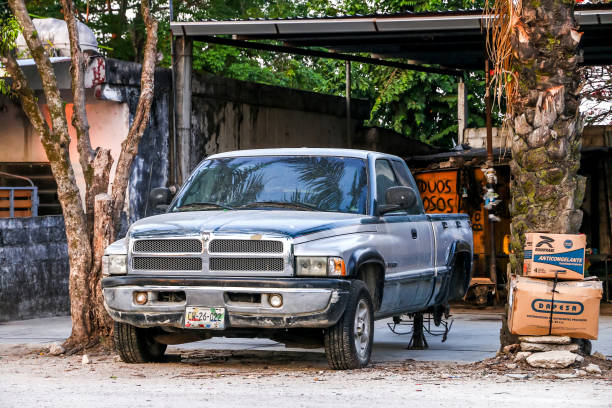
x=30 y=378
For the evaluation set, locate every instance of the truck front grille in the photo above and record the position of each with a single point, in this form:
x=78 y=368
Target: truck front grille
x=246 y=264
x=155 y=263
x=168 y=246
x=244 y=246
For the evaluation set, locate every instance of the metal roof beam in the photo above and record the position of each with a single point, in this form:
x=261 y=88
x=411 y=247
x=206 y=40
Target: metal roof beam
x=325 y=54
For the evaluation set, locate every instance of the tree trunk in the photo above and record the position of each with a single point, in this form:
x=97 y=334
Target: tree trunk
x=546 y=190
x=89 y=228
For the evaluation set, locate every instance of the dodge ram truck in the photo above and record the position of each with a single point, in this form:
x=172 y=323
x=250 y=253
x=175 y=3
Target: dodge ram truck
x=303 y=246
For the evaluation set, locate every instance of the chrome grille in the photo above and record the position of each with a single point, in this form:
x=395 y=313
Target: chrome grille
x=245 y=246
x=246 y=264
x=168 y=246
x=156 y=263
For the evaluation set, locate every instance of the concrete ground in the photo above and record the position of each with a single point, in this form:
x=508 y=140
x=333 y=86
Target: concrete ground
x=473 y=337
x=260 y=373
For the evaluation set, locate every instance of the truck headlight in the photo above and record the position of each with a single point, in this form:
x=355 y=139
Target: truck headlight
x=114 y=265
x=319 y=266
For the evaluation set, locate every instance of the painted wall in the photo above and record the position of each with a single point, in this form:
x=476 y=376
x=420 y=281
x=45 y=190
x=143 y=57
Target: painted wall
x=108 y=122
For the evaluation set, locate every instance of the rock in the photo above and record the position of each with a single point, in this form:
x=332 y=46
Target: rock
x=552 y=359
x=579 y=358
x=599 y=355
x=593 y=369
x=525 y=346
x=511 y=366
x=56 y=349
x=85 y=359
x=522 y=355
x=510 y=348
x=518 y=376
x=564 y=376
x=580 y=373
x=546 y=339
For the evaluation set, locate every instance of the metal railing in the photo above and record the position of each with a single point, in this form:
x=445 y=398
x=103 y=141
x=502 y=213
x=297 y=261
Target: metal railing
x=20 y=201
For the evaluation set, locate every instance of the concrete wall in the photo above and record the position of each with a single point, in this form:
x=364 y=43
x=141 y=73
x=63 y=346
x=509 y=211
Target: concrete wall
x=229 y=115
x=33 y=268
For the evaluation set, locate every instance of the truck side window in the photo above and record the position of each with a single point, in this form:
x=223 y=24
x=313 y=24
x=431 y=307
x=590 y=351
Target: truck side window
x=385 y=178
x=407 y=180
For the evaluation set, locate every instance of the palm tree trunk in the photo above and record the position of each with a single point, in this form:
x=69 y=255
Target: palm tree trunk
x=546 y=190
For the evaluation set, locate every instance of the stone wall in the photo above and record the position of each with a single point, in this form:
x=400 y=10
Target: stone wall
x=33 y=268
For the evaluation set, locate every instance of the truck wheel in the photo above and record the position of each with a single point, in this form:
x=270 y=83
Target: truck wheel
x=136 y=345
x=348 y=344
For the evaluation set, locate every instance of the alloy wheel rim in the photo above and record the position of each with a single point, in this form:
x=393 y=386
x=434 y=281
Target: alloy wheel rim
x=362 y=329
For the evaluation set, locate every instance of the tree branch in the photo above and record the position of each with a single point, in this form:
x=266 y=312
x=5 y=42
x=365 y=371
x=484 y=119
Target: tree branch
x=129 y=147
x=79 y=114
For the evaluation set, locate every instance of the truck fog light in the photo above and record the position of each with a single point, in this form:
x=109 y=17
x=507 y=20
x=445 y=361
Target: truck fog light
x=141 y=298
x=275 y=300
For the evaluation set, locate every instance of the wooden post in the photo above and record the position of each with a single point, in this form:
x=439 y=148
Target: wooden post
x=349 y=138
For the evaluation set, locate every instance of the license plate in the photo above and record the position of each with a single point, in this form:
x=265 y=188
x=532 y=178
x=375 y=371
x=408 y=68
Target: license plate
x=200 y=317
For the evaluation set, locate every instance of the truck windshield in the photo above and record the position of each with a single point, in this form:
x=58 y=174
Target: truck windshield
x=315 y=183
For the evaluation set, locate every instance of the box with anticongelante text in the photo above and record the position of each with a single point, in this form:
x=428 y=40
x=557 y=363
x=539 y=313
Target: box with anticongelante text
x=571 y=310
x=554 y=255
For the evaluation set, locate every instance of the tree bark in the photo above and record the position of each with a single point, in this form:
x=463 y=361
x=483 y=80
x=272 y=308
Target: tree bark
x=56 y=142
x=546 y=190
x=79 y=117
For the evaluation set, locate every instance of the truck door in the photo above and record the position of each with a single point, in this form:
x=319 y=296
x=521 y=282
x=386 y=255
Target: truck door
x=411 y=273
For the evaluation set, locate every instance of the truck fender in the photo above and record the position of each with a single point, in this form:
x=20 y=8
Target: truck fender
x=460 y=276
x=364 y=256
x=375 y=282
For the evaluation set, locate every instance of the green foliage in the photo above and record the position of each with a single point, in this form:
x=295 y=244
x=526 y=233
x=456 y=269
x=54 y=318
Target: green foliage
x=9 y=29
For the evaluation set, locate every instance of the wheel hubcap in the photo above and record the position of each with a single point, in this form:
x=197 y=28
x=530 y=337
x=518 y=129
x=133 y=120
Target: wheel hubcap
x=362 y=328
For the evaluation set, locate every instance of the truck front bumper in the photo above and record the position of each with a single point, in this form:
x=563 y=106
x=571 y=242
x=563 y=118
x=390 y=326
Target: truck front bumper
x=307 y=303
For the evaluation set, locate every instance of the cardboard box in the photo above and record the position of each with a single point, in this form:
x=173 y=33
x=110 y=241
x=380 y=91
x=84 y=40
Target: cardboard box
x=554 y=255
x=575 y=307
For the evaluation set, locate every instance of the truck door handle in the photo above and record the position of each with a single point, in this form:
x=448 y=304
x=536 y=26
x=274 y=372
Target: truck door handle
x=414 y=233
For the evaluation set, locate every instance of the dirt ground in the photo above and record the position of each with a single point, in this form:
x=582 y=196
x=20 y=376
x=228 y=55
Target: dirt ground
x=31 y=378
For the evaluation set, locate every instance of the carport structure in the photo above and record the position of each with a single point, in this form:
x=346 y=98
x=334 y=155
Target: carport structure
x=450 y=43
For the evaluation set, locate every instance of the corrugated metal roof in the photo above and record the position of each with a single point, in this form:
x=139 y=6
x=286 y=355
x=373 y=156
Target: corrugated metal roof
x=449 y=38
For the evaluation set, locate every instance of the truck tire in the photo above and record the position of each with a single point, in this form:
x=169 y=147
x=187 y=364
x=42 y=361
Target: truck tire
x=348 y=344
x=136 y=345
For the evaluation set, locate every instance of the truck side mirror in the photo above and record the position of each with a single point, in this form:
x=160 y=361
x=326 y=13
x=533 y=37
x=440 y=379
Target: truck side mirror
x=398 y=198
x=160 y=198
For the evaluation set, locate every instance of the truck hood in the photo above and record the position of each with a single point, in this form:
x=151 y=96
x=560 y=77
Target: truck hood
x=284 y=223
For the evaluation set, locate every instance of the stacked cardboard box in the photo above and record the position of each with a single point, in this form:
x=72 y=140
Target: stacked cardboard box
x=553 y=298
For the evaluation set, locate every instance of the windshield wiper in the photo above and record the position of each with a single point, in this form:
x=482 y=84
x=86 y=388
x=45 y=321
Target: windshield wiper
x=203 y=205
x=282 y=204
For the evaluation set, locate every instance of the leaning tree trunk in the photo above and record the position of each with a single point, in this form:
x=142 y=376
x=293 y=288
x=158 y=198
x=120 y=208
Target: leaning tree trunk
x=546 y=190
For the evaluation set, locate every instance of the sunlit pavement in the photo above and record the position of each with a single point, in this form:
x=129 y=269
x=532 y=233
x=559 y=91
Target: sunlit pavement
x=472 y=337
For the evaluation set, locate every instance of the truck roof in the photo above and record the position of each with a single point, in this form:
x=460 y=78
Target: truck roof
x=302 y=151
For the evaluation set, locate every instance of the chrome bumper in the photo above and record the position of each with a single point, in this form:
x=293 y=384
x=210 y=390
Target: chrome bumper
x=307 y=303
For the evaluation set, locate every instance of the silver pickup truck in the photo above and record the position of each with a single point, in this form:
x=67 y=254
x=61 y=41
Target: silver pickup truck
x=304 y=246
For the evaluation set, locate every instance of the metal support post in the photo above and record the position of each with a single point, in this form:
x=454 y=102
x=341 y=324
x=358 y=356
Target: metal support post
x=349 y=136
x=182 y=107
